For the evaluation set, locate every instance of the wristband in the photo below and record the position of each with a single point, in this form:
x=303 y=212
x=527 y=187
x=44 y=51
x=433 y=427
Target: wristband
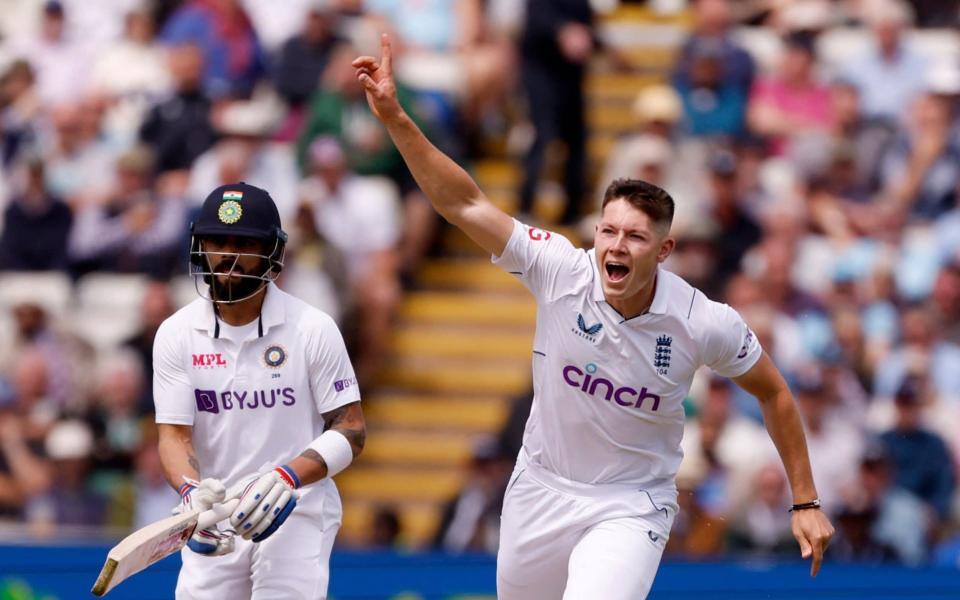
x=815 y=503
x=335 y=450
x=289 y=476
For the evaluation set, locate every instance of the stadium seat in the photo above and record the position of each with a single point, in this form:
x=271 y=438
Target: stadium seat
x=108 y=308
x=50 y=290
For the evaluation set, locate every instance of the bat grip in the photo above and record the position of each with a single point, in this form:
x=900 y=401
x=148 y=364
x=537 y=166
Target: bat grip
x=217 y=513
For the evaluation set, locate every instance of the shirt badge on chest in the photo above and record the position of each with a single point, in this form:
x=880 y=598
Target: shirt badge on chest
x=588 y=332
x=274 y=356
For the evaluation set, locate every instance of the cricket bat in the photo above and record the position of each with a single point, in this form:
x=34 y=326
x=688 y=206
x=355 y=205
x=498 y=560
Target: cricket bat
x=158 y=540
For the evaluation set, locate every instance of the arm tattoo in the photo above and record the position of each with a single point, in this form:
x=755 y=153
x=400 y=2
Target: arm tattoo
x=338 y=419
x=314 y=456
x=192 y=460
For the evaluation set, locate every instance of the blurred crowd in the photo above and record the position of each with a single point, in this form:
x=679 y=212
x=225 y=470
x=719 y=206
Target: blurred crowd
x=812 y=147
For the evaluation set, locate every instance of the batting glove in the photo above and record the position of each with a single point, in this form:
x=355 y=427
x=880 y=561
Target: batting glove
x=266 y=503
x=201 y=495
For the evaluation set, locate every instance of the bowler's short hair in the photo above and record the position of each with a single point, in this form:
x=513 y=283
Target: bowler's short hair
x=651 y=199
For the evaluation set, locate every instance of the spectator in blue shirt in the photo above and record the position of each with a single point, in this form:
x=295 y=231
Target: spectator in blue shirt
x=922 y=463
x=232 y=53
x=890 y=74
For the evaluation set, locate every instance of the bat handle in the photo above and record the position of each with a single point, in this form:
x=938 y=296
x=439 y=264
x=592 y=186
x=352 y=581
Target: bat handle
x=217 y=513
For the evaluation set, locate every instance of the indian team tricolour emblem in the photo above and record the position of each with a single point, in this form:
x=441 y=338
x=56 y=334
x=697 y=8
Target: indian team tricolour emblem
x=230 y=212
x=274 y=356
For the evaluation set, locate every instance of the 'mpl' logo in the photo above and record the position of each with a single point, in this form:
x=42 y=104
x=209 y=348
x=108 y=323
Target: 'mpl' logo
x=209 y=361
x=584 y=380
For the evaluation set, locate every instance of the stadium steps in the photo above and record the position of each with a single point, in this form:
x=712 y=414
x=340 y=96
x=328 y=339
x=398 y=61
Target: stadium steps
x=504 y=376
x=411 y=447
x=422 y=412
x=473 y=343
x=446 y=307
x=461 y=348
x=462 y=274
x=390 y=483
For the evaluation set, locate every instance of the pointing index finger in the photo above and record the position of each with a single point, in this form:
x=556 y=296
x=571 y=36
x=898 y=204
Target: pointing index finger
x=386 y=54
x=817 y=559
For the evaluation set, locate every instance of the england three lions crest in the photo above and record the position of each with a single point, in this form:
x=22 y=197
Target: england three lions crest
x=661 y=355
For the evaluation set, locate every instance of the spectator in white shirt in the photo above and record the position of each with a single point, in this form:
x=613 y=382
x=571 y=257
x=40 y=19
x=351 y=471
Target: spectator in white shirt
x=359 y=216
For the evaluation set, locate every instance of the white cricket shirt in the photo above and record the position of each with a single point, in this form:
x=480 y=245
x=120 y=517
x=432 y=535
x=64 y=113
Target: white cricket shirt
x=608 y=391
x=256 y=401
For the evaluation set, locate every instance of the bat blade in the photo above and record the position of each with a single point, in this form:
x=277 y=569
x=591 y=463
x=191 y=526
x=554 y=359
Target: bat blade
x=144 y=547
x=157 y=541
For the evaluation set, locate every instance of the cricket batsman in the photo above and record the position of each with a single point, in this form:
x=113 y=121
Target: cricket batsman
x=254 y=391
x=618 y=339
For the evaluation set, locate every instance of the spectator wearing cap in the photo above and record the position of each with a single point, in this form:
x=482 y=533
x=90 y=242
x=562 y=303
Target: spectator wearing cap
x=890 y=74
x=179 y=128
x=68 y=498
x=359 y=216
x=233 y=58
x=920 y=171
x=792 y=101
x=922 y=463
x=654 y=151
x=894 y=521
x=36 y=226
x=129 y=229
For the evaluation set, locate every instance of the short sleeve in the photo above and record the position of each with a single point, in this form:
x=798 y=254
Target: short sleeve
x=731 y=348
x=547 y=263
x=331 y=373
x=173 y=396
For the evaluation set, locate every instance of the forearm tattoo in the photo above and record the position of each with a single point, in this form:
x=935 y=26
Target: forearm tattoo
x=193 y=462
x=314 y=456
x=339 y=419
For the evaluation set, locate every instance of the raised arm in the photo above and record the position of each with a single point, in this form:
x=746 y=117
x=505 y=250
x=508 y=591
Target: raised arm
x=450 y=189
x=810 y=526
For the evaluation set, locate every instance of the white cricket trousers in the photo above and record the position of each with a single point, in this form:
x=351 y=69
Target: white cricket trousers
x=563 y=539
x=292 y=564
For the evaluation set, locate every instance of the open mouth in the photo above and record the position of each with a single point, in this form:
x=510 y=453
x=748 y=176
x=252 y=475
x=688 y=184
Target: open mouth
x=616 y=271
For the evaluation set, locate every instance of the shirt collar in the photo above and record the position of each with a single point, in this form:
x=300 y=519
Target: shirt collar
x=659 y=304
x=271 y=314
